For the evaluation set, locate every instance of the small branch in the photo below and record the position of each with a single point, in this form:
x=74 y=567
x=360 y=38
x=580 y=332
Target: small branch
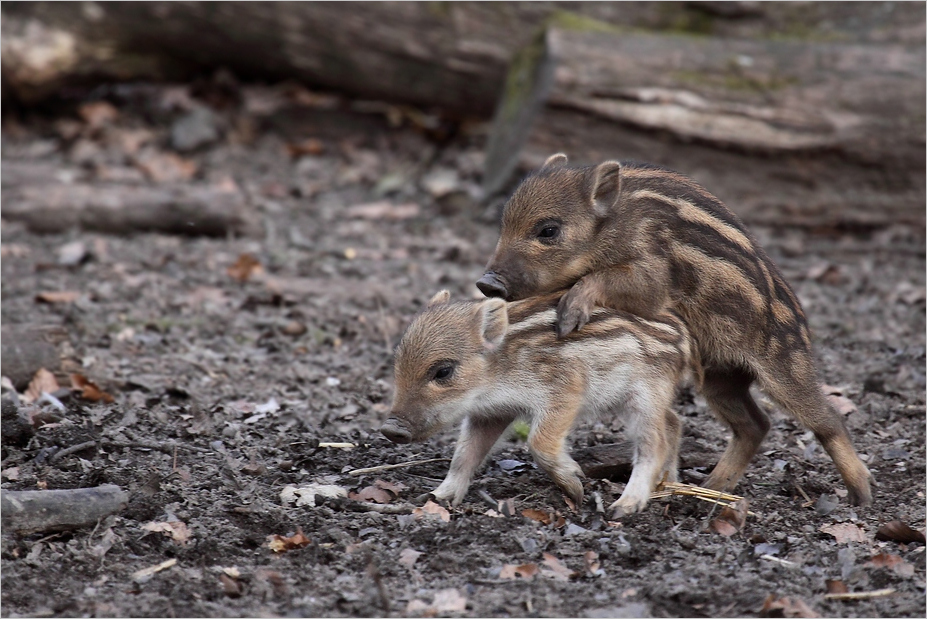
x=42 y=510
x=71 y=450
x=363 y=506
x=338 y=445
x=862 y=595
x=778 y=560
x=386 y=467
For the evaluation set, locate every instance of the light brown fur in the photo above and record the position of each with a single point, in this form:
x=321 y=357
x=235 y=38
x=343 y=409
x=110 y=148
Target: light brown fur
x=491 y=362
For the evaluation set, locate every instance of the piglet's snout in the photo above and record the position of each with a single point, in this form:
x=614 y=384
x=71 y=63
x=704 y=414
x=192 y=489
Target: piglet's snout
x=395 y=431
x=491 y=286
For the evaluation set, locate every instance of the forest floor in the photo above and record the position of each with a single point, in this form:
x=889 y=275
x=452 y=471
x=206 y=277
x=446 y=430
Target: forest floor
x=230 y=375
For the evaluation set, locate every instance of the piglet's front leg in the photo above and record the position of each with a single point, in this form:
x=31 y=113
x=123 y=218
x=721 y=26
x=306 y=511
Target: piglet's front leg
x=640 y=287
x=476 y=439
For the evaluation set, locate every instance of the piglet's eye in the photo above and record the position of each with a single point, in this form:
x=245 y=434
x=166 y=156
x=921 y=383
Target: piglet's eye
x=444 y=372
x=548 y=232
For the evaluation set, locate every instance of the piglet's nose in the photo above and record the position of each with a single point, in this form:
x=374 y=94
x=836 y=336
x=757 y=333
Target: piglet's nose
x=490 y=285
x=396 y=433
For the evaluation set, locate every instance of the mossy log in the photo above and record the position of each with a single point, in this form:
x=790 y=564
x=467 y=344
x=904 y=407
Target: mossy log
x=26 y=511
x=782 y=131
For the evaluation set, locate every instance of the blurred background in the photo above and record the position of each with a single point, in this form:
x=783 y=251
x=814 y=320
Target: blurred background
x=799 y=113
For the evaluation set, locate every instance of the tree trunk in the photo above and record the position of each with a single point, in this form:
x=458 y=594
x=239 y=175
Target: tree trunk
x=804 y=132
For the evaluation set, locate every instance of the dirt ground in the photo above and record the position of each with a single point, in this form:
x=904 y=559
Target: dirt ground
x=228 y=384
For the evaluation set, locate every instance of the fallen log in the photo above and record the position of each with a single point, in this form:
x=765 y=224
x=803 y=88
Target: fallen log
x=188 y=209
x=452 y=55
x=783 y=131
x=27 y=511
x=615 y=460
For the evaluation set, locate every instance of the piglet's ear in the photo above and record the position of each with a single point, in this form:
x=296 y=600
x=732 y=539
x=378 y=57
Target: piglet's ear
x=555 y=161
x=440 y=298
x=494 y=322
x=606 y=185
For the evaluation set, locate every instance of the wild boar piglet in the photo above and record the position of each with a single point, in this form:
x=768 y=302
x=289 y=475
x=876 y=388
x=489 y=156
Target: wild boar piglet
x=490 y=362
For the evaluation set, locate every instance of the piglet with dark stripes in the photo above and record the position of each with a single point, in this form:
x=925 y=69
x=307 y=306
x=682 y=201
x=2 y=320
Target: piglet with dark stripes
x=490 y=362
x=643 y=239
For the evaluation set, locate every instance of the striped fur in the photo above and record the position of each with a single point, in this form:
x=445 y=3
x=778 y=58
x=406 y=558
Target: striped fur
x=507 y=362
x=643 y=239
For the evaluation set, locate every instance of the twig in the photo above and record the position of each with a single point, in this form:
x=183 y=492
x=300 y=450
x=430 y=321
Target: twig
x=71 y=450
x=363 y=506
x=862 y=595
x=667 y=489
x=808 y=502
x=338 y=445
x=386 y=467
x=778 y=560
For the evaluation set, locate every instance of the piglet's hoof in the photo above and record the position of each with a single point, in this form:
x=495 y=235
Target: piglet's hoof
x=424 y=498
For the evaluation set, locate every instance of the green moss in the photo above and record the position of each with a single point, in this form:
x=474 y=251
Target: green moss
x=573 y=21
x=520 y=429
x=734 y=79
x=521 y=77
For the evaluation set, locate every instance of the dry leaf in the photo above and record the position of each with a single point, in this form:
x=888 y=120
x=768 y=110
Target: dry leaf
x=144 y=575
x=432 y=510
x=177 y=531
x=893 y=562
x=11 y=473
x=384 y=210
x=537 y=514
x=305 y=495
x=449 y=601
x=88 y=390
x=43 y=382
x=557 y=569
x=786 y=607
x=230 y=586
x=98 y=113
x=593 y=567
x=59 y=296
x=408 y=557
x=166 y=167
x=731 y=519
x=845 y=532
x=526 y=571
x=393 y=487
x=246 y=266
x=309 y=146
x=836 y=586
x=372 y=493
x=897 y=531
x=279 y=543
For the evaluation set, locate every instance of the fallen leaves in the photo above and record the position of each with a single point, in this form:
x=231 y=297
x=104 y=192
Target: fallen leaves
x=305 y=495
x=892 y=562
x=556 y=569
x=897 y=531
x=60 y=296
x=43 y=382
x=408 y=557
x=836 y=398
x=279 y=543
x=88 y=390
x=380 y=492
x=445 y=601
x=144 y=575
x=245 y=268
x=845 y=532
x=431 y=510
x=786 y=607
x=544 y=517
x=731 y=519
x=384 y=210
x=176 y=530
x=526 y=571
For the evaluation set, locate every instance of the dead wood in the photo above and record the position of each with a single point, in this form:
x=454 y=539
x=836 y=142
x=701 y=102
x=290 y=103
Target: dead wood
x=836 y=128
x=190 y=209
x=47 y=510
x=615 y=460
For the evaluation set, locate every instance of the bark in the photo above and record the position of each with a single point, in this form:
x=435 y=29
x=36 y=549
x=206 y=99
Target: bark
x=50 y=510
x=447 y=54
x=615 y=460
x=815 y=132
x=188 y=209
